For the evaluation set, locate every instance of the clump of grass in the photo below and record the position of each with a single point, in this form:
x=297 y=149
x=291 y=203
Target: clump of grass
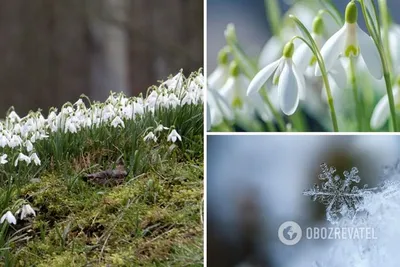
x=151 y=219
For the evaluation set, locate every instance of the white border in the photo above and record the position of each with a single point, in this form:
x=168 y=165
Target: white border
x=205 y=134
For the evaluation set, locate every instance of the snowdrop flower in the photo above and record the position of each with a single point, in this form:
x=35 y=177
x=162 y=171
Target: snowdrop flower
x=15 y=141
x=22 y=157
x=173 y=136
x=160 y=128
x=70 y=126
x=28 y=145
x=35 y=159
x=150 y=136
x=306 y=61
x=290 y=81
x=13 y=116
x=219 y=76
x=219 y=108
x=3 y=140
x=3 y=159
x=394 y=46
x=9 y=217
x=381 y=112
x=172 y=101
x=234 y=93
x=25 y=211
x=351 y=41
x=175 y=83
x=116 y=122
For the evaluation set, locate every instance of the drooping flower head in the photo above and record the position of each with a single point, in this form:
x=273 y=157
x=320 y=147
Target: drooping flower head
x=286 y=76
x=351 y=41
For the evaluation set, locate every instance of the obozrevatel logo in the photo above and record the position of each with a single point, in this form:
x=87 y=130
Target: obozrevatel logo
x=290 y=233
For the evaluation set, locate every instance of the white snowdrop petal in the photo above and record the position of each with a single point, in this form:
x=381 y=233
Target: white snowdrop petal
x=300 y=81
x=262 y=76
x=288 y=91
x=381 y=111
x=370 y=53
x=339 y=75
x=302 y=57
x=218 y=77
x=219 y=107
x=332 y=49
x=394 y=45
x=228 y=90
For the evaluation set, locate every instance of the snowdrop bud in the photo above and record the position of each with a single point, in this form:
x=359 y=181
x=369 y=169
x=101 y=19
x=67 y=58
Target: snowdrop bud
x=351 y=13
x=223 y=56
x=230 y=33
x=234 y=69
x=288 y=50
x=318 y=25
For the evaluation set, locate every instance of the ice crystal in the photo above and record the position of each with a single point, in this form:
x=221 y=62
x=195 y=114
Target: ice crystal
x=339 y=194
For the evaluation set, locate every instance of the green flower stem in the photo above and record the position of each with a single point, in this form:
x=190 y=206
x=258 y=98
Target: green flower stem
x=384 y=61
x=353 y=82
x=313 y=46
x=385 y=20
x=333 y=11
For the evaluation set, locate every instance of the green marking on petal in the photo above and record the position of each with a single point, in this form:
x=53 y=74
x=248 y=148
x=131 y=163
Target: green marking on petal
x=351 y=50
x=288 y=50
x=275 y=81
x=237 y=103
x=351 y=13
x=313 y=61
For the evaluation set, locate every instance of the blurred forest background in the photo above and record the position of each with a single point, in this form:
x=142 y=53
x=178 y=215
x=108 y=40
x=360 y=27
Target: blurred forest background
x=52 y=51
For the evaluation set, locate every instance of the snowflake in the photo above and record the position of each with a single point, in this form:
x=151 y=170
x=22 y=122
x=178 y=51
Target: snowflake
x=338 y=194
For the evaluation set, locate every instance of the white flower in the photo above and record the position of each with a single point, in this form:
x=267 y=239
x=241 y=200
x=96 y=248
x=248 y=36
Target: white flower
x=351 y=41
x=70 y=126
x=221 y=73
x=28 y=145
x=35 y=159
x=160 y=128
x=290 y=81
x=234 y=92
x=3 y=140
x=3 y=159
x=9 y=217
x=173 y=136
x=22 y=157
x=381 y=112
x=394 y=46
x=117 y=121
x=150 y=136
x=219 y=108
x=15 y=141
x=13 y=116
x=25 y=211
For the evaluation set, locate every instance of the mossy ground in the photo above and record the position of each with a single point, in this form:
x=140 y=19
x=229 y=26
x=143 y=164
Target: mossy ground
x=153 y=219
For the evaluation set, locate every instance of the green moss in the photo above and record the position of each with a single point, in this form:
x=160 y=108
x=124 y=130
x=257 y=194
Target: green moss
x=152 y=219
